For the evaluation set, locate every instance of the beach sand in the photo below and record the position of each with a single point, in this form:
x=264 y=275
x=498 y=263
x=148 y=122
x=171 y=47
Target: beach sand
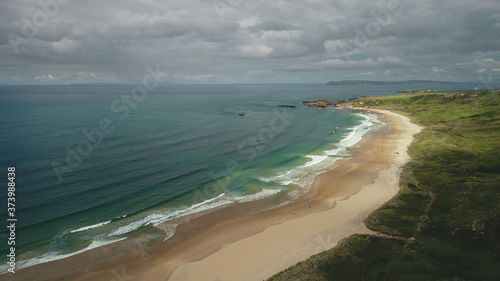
x=235 y=243
x=353 y=191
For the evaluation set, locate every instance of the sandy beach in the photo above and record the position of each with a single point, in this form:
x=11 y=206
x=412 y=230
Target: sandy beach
x=236 y=243
x=352 y=190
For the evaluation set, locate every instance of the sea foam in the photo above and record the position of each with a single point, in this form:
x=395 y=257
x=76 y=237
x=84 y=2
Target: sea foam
x=90 y=227
x=53 y=256
x=304 y=175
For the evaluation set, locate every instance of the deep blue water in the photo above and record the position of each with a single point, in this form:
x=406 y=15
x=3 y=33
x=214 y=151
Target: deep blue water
x=92 y=167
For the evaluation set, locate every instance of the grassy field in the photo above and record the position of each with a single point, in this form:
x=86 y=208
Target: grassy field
x=444 y=224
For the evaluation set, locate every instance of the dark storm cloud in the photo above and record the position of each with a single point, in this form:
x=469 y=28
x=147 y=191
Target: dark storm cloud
x=64 y=41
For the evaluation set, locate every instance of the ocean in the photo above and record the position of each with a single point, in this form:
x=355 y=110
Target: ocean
x=95 y=166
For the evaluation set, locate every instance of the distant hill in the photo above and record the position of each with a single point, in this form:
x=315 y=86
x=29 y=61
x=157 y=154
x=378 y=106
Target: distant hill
x=364 y=82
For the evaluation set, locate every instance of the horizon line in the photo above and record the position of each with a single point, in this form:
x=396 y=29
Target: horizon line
x=253 y=83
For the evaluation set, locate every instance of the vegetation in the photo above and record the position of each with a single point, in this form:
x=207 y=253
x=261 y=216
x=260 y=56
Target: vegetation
x=444 y=224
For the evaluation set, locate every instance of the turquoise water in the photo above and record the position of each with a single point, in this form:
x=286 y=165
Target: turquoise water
x=182 y=150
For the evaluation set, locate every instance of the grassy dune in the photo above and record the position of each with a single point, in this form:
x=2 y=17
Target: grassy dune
x=445 y=222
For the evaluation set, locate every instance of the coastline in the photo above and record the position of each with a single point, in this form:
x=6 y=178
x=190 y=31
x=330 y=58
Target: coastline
x=292 y=241
x=223 y=243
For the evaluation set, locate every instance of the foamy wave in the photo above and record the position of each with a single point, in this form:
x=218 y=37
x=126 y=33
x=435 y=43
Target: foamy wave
x=357 y=132
x=53 y=256
x=162 y=220
x=204 y=203
x=156 y=219
x=90 y=227
x=315 y=159
x=285 y=178
x=151 y=219
x=257 y=196
x=304 y=175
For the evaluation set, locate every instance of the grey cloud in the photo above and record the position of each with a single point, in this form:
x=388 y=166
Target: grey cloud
x=275 y=25
x=369 y=63
x=193 y=40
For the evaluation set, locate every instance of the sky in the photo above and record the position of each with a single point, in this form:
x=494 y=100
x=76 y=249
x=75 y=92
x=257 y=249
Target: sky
x=248 y=41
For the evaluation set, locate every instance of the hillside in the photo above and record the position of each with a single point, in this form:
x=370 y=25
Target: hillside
x=445 y=222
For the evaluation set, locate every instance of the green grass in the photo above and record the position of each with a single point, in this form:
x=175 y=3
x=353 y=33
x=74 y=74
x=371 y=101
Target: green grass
x=445 y=221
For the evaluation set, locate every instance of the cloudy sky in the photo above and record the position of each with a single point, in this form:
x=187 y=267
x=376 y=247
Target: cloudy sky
x=248 y=41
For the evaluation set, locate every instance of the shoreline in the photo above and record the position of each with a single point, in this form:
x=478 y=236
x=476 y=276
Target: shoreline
x=297 y=239
x=330 y=211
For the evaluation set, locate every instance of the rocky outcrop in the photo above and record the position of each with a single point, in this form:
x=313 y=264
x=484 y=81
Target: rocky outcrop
x=322 y=103
x=288 y=105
